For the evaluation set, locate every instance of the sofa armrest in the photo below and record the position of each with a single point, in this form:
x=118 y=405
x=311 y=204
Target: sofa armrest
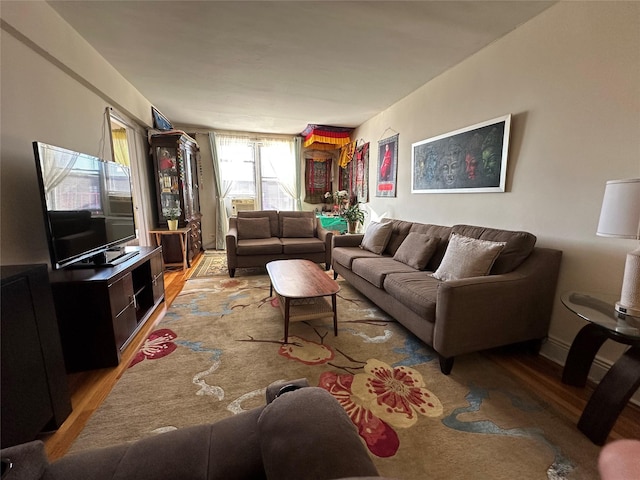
x=231 y=240
x=28 y=461
x=484 y=312
x=347 y=240
x=326 y=236
x=307 y=434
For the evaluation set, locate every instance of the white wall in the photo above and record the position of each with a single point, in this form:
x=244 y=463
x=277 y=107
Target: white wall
x=55 y=89
x=571 y=79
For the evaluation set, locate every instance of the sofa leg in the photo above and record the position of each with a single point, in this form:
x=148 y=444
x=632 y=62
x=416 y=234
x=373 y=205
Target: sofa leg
x=446 y=364
x=335 y=275
x=232 y=272
x=327 y=266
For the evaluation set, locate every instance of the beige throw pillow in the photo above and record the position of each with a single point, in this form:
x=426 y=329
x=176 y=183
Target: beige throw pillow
x=416 y=250
x=297 y=227
x=467 y=257
x=249 y=228
x=376 y=237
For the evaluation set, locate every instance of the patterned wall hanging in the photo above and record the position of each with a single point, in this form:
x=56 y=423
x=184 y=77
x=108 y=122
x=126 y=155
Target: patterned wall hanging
x=317 y=177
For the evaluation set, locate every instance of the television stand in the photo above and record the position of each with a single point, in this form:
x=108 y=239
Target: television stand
x=100 y=310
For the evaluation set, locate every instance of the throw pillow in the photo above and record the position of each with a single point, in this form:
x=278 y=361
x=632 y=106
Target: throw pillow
x=416 y=250
x=249 y=228
x=376 y=237
x=467 y=257
x=297 y=227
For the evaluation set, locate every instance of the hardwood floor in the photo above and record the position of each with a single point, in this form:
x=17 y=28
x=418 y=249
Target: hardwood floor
x=89 y=389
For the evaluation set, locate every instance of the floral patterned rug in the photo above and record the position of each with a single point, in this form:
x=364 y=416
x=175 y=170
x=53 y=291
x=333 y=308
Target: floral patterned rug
x=214 y=263
x=220 y=345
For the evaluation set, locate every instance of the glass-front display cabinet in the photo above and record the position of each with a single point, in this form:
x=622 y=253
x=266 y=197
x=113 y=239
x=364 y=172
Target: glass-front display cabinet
x=175 y=162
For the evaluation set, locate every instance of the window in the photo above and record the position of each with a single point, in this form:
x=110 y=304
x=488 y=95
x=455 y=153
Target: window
x=258 y=169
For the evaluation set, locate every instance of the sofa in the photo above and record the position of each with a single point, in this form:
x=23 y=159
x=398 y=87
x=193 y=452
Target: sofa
x=257 y=237
x=302 y=433
x=459 y=289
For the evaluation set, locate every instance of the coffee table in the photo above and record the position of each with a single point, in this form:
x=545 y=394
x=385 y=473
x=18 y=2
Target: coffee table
x=301 y=286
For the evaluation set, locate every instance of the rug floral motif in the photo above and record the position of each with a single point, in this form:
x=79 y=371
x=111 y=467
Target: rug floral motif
x=221 y=344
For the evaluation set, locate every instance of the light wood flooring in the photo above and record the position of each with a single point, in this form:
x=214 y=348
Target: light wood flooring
x=89 y=389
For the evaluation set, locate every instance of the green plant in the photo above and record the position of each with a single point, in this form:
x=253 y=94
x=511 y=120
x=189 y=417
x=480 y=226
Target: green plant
x=353 y=213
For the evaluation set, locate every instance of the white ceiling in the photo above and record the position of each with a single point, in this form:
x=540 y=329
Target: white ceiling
x=264 y=66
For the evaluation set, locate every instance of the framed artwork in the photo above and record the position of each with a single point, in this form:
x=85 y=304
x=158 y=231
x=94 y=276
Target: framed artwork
x=160 y=122
x=469 y=160
x=387 y=167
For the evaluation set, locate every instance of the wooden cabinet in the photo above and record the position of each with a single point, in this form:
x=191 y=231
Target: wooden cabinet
x=101 y=309
x=175 y=163
x=35 y=393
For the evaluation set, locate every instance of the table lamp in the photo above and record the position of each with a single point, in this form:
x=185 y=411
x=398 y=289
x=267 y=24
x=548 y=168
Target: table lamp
x=620 y=217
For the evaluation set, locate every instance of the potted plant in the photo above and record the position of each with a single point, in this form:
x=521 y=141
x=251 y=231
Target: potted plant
x=353 y=215
x=172 y=214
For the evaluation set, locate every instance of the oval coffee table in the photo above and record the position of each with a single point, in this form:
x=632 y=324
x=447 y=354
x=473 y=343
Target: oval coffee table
x=301 y=286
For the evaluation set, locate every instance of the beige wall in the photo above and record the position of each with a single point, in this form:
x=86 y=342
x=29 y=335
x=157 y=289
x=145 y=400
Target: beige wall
x=55 y=89
x=571 y=79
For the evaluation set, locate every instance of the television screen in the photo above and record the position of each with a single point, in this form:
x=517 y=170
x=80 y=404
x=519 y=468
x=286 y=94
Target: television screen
x=87 y=204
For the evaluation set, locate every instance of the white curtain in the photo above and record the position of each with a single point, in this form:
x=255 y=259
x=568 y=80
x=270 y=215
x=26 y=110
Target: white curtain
x=282 y=159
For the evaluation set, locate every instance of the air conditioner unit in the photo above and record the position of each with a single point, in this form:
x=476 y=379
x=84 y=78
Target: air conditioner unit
x=242 y=204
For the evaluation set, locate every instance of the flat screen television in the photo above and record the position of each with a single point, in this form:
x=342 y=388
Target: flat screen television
x=88 y=207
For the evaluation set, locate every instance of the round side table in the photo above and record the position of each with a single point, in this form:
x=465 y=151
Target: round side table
x=623 y=378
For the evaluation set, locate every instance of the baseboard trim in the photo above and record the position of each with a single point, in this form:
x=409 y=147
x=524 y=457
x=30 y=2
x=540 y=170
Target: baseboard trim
x=557 y=350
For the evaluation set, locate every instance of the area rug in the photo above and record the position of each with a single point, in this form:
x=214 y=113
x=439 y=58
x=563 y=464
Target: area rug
x=220 y=344
x=214 y=263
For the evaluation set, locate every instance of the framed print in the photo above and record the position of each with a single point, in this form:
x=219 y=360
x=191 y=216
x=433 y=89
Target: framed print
x=469 y=160
x=387 y=167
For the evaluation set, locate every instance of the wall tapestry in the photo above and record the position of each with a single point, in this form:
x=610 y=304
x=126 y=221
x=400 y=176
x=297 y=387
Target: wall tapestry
x=317 y=177
x=355 y=176
x=472 y=159
x=387 y=166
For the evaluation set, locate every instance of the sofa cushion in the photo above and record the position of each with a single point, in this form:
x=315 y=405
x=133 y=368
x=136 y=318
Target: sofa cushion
x=519 y=245
x=416 y=250
x=399 y=231
x=467 y=257
x=417 y=291
x=272 y=215
x=376 y=237
x=438 y=231
x=297 y=227
x=302 y=245
x=265 y=246
x=295 y=215
x=249 y=228
x=374 y=270
x=345 y=255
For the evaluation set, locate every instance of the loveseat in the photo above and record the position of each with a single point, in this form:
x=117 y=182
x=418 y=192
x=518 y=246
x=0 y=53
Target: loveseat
x=257 y=237
x=459 y=289
x=303 y=433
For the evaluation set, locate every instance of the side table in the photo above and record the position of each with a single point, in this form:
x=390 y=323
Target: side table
x=183 y=232
x=623 y=378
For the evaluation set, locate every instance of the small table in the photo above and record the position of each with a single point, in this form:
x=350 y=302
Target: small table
x=623 y=378
x=183 y=232
x=300 y=286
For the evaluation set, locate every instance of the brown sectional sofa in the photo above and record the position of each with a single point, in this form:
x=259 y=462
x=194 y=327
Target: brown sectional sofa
x=257 y=237
x=511 y=304
x=299 y=434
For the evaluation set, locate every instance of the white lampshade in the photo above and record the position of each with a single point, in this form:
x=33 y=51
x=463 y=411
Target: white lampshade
x=620 y=214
